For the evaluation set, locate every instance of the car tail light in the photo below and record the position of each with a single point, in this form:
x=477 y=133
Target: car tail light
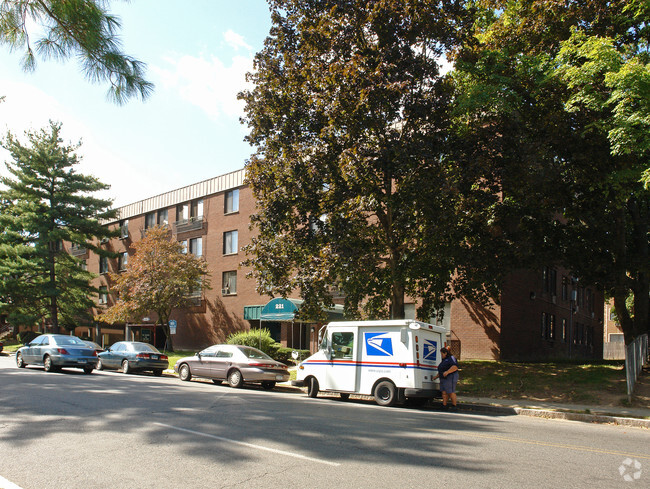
x=262 y=365
x=62 y=351
x=143 y=355
x=94 y=353
x=164 y=357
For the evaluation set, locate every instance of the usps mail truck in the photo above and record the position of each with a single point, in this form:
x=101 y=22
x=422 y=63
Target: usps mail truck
x=391 y=360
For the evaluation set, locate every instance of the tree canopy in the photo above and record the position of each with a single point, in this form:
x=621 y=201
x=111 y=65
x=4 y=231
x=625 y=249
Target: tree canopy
x=554 y=98
x=349 y=117
x=161 y=277
x=44 y=204
x=61 y=29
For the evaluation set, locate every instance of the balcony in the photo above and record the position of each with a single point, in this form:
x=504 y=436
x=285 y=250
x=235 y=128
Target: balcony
x=191 y=224
x=76 y=250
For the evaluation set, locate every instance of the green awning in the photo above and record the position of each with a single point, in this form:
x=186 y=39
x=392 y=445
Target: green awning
x=285 y=310
x=279 y=309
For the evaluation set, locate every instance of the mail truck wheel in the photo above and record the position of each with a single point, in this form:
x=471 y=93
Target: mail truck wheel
x=312 y=387
x=385 y=393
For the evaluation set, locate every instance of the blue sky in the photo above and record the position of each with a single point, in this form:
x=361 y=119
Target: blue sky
x=196 y=53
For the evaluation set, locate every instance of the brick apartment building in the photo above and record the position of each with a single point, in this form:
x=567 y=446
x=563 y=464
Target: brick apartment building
x=541 y=315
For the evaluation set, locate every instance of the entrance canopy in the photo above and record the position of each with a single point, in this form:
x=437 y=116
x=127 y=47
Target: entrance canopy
x=280 y=309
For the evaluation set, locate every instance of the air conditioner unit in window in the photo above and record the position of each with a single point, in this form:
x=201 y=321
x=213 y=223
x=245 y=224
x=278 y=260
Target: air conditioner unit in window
x=225 y=291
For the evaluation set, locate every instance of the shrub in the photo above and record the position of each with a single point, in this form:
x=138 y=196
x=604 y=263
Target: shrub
x=261 y=339
x=258 y=338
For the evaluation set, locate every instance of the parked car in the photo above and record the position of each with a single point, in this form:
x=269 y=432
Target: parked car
x=55 y=351
x=133 y=356
x=2 y=345
x=95 y=346
x=236 y=364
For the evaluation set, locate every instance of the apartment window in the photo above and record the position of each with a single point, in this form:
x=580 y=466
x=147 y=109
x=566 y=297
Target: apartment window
x=149 y=220
x=163 y=217
x=196 y=209
x=184 y=245
x=564 y=330
x=231 y=201
x=122 y=260
x=182 y=212
x=544 y=325
x=196 y=246
x=103 y=294
x=551 y=327
x=229 y=283
x=103 y=264
x=124 y=229
x=549 y=276
x=565 y=288
x=230 y=242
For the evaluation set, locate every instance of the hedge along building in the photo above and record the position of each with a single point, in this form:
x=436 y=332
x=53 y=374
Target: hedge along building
x=542 y=314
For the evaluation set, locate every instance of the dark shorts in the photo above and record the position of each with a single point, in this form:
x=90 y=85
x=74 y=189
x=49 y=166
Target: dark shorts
x=448 y=384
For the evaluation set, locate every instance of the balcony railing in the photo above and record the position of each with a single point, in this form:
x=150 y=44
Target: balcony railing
x=191 y=224
x=78 y=250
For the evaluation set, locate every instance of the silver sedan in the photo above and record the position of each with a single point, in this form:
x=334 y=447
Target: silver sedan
x=236 y=364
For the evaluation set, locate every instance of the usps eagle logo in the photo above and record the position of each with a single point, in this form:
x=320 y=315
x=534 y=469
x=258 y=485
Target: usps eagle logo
x=379 y=344
x=430 y=349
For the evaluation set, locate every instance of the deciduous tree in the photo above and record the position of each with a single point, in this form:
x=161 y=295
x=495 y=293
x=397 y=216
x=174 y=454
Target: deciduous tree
x=553 y=97
x=349 y=119
x=161 y=277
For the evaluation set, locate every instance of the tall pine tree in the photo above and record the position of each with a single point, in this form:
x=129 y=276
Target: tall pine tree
x=45 y=203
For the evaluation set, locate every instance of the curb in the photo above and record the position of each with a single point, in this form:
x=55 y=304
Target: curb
x=548 y=414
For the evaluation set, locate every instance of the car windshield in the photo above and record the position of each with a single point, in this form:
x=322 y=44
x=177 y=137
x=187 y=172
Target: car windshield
x=70 y=341
x=254 y=353
x=144 y=347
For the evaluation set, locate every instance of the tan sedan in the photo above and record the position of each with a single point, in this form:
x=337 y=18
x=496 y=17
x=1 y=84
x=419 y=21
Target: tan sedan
x=236 y=364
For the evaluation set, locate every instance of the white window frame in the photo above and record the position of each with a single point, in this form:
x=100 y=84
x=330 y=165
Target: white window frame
x=231 y=242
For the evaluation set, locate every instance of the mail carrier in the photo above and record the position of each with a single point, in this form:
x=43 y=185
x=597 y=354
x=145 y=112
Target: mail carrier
x=390 y=360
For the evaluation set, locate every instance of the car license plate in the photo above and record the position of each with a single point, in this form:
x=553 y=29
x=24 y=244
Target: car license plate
x=154 y=357
x=279 y=377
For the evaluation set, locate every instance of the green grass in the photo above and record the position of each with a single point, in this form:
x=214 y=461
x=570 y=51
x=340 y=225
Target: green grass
x=177 y=355
x=560 y=382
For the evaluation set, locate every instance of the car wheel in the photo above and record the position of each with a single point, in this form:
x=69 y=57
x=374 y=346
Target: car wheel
x=312 y=387
x=48 y=365
x=158 y=372
x=235 y=378
x=268 y=385
x=100 y=365
x=126 y=368
x=20 y=361
x=184 y=373
x=344 y=396
x=385 y=393
x=88 y=370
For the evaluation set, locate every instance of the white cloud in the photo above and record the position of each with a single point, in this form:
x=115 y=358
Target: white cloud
x=28 y=108
x=210 y=83
x=236 y=41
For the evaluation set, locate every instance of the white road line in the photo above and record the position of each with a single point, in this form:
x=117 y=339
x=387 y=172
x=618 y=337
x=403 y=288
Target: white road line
x=251 y=445
x=5 y=484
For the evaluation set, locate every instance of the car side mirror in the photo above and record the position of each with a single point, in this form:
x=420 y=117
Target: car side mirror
x=198 y=354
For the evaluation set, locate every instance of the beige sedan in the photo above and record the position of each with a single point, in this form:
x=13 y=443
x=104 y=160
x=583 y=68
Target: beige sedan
x=236 y=364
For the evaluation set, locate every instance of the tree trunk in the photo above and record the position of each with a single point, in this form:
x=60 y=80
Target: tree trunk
x=397 y=302
x=168 y=337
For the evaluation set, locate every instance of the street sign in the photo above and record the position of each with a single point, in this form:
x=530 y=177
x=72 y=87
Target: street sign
x=172 y=326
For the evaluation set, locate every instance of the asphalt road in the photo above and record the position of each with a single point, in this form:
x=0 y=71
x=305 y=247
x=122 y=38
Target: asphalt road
x=109 y=430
